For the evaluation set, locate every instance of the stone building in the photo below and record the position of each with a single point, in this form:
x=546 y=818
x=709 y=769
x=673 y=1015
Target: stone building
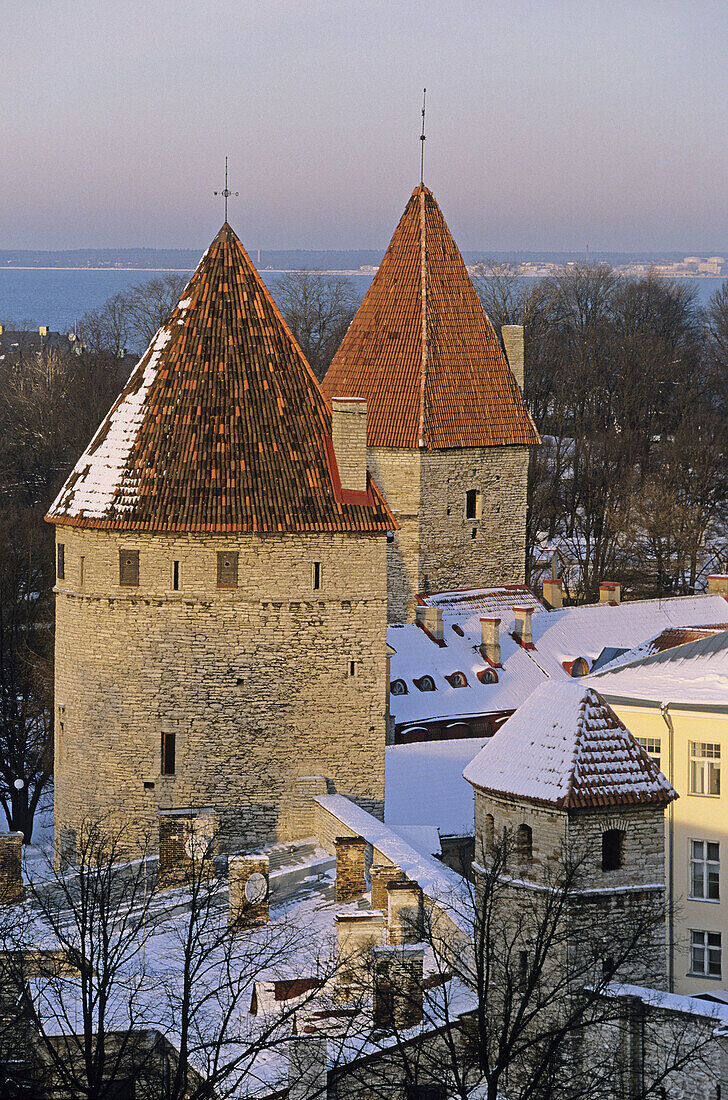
x=221 y=581
x=566 y=784
x=448 y=433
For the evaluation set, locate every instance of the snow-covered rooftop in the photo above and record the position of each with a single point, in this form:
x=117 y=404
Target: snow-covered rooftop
x=559 y=637
x=567 y=747
x=696 y=672
x=424 y=786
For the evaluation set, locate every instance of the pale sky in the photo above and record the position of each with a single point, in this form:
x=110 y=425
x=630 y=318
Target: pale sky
x=551 y=123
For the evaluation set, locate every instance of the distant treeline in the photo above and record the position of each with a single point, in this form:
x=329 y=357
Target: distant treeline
x=186 y=259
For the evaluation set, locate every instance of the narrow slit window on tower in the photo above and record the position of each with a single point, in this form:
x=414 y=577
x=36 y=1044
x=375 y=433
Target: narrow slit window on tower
x=61 y=562
x=612 y=849
x=227 y=569
x=81 y=571
x=352 y=668
x=316 y=575
x=175 y=576
x=168 y=753
x=129 y=567
x=472 y=504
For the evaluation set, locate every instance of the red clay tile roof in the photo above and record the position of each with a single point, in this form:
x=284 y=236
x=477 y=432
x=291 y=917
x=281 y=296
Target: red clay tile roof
x=222 y=426
x=422 y=352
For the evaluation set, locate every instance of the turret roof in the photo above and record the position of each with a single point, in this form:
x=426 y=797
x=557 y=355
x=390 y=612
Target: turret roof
x=222 y=426
x=422 y=351
x=566 y=747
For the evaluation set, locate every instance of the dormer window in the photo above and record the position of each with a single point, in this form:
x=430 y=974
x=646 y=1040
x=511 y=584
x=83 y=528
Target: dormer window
x=398 y=687
x=425 y=683
x=488 y=676
x=576 y=668
x=457 y=680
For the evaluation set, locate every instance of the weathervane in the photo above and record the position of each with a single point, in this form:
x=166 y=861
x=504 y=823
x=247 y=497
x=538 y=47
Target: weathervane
x=422 y=139
x=226 y=194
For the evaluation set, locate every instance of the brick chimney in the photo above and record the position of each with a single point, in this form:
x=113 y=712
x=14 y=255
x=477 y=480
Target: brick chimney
x=188 y=842
x=431 y=619
x=398 y=986
x=490 y=640
x=522 y=626
x=610 y=592
x=718 y=584
x=307 y=1067
x=11 y=868
x=249 y=891
x=553 y=593
x=404 y=912
x=351 y=880
x=381 y=874
x=349 y=434
x=356 y=935
x=513 y=343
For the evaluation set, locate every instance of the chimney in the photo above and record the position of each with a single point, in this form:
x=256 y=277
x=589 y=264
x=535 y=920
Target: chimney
x=249 y=891
x=431 y=619
x=610 y=592
x=349 y=433
x=490 y=640
x=513 y=343
x=187 y=845
x=398 y=986
x=553 y=593
x=351 y=880
x=404 y=912
x=11 y=868
x=522 y=626
x=356 y=935
x=718 y=584
x=381 y=874
x=307 y=1067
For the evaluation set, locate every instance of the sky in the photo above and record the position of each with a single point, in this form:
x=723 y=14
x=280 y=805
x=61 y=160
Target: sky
x=550 y=123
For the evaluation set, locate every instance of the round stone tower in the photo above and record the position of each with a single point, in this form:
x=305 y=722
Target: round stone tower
x=221 y=588
x=448 y=432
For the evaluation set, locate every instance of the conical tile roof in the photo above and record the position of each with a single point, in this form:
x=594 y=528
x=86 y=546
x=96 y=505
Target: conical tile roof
x=566 y=747
x=422 y=352
x=222 y=426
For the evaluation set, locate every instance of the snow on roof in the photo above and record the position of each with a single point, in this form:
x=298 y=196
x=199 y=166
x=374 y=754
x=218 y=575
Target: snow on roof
x=424 y=785
x=559 y=638
x=567 y=747
x=696 y=672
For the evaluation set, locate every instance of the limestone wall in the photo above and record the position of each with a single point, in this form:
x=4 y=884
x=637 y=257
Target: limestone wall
x=255 y=681
x=435 y=546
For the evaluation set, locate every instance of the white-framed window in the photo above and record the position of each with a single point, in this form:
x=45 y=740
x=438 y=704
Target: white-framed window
x=705 y=870
x=704 y=768
x=653 y=748
x=705 y=952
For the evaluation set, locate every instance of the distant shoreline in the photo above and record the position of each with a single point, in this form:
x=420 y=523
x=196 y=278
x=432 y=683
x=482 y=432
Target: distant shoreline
x=333 y=271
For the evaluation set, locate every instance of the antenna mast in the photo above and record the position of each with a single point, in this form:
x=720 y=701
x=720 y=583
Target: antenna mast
x=422 y=139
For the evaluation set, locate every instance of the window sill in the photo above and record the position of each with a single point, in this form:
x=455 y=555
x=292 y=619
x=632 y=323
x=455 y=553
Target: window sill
x=710 y=901
x=166 y=779
x=697 y=794
x=704 y=977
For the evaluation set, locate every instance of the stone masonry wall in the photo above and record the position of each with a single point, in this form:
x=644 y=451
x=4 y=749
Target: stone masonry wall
x=434 y=547
x=254 y=681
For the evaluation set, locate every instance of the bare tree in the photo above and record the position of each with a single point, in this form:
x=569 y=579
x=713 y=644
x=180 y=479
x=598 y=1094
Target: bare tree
x=318 y=308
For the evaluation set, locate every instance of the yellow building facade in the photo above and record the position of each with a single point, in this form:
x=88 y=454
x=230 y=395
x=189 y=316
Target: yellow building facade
x=676 y=704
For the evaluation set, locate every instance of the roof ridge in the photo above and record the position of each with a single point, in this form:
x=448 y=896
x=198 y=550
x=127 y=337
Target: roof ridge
x=423 y=291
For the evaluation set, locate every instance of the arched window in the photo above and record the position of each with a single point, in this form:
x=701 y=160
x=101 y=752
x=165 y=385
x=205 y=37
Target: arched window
x=488 y=676
x=489 y=832
x=426 y=683
x=457 y=680
x=398 y=687
x=524 y=843
x=612 y=849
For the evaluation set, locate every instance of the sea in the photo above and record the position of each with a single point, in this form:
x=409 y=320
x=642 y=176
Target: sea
x=57 y=297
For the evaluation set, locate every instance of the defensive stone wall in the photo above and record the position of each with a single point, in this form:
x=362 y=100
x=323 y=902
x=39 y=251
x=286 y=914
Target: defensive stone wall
x=260 y=682
x=438 y=546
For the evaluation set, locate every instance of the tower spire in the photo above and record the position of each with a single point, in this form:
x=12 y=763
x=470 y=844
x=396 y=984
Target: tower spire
x=226 y=194
x=422 y=139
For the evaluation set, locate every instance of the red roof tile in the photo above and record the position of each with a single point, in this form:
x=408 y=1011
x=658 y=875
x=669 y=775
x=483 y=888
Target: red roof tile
x=422 y=352
x=222 y=426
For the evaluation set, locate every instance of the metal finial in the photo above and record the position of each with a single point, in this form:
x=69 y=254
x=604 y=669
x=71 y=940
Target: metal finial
x=422 y=139
x=226 y=194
